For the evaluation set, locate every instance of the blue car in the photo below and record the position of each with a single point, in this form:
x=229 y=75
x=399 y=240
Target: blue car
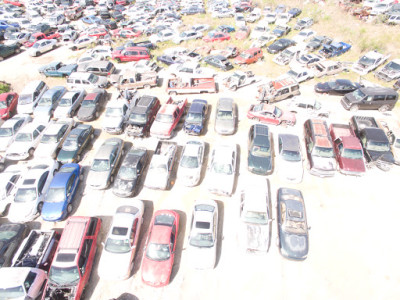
x=60 y=195
x=196 y=117
x=226 y=28
x=91 y=19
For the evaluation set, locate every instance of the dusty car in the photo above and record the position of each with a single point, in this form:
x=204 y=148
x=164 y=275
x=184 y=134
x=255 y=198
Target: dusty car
x=8 y=105
x=122 y=241
x=264 y=40
x=289 y=158
x=8 y=50
x=190 y=165
x=270 y=114
x=105 y=163
x=91 y=105
x=260 y=155
x=292 y=224
x=30 y=95
x=186 y=36
x=391 y=71
x=303 y=23
x=225 y=116
x=203 y=236
x=219 y=61
x=10 y=128
x=317 y=41
x=255 y=217
x=42 y=46
x=116 y=114
x=328 y=67
x=308 y=105
x=57 y=69
x=9 y=180
x=83 y=42
x=240 y=79
x=221 y=172
x=299 y=74
x=249 y=56
x=281 y=30
x=280 y=45
x=303 y=35
x=308 y=59
x=337 y=87
x=130 y=172
x=11 y=235
x=287 y=55
x=48 y=102
x=369 y=62
x=69 y=103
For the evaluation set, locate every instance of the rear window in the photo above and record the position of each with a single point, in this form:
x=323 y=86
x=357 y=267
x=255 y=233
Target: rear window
x=166 y=220
x=65 y=257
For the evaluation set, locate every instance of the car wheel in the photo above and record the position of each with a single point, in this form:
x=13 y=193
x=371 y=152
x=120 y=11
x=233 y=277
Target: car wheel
x=2 y=167
x=54 y=47
x=96 y=114
x=146 y=86
x=69 y=208
x=31 y=151
x=112 y=179
x=17 y=50
x=78 y=157
x=39 y=207
x=173 y=93
x=234 y=87
x=72 y=113
x=384 y=108
x=118 y=60
x=1 y=58
x=354 y=108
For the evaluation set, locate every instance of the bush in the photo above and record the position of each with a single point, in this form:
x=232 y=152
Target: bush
x=4 y=87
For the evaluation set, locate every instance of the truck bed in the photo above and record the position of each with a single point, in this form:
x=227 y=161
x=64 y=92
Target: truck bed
x=340 y=130
x=361 y=122
x=164 y=148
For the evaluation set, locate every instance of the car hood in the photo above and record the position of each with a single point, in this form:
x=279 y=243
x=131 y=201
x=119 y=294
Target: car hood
x=61 y=111
x=225 y=126
x=313 y=45
x=42 y=111
x=156 y=272
x=45 y=150
x=19 y=147
x=4 y=142
x=291 y=170
x=156 y=180
x=256 y=236
x=98 y=179
x=261 y=165
x=324 y=163
x=160 y=128
x=194 y=127
x=203 y=258
x=53 y=211
x=85 y=112
x=296 y=246
x=352 y=165
x=114 y=265
x=221 y=182
x=323 y=87
x=22 y=212
x=124 y=185
x=188 y=175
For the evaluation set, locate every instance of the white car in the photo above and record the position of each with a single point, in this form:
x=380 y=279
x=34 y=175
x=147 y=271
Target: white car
x=83 y=42
x=307 y=60
x=69 y=104
x=203 y=236
x=289 y=158
x=258 y=31
x=190 y=165
x=117 y=257
x=263 y=41
x=190 y=69
x=369 y=62
x=300 y=74
x=222 y=170
x=200 y=27
x=100 y=52
x=240 y=21
x=270 y=17
x=142 y=66
x=255 y=217
x=10 y=128
x=17 y=37
x=162 y=36
x=187 y=35
x=42 y=46
x=116 y=114
x=223 y=13
x=283 y=19
x=287 y=55
x=53 y=138
x=30 y=194
x=304 y=35
x=26 y=141
x=9 y=180
x=86 y=59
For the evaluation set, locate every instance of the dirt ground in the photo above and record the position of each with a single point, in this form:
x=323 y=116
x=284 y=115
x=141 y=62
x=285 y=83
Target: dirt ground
x=353 y=249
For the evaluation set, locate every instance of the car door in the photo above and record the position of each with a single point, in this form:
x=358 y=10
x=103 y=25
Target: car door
x=75 y=103
x=173 y=243
x=72 y=185
x=42 y=186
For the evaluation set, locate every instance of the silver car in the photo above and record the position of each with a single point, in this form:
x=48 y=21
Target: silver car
x=191 y=162
x=69 y=103
x=225 y=116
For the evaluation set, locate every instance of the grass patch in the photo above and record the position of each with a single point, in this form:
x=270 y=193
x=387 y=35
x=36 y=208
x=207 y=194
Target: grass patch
x=4 y=87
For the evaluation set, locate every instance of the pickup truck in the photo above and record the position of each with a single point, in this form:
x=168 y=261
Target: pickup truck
x=197 y=114
x=161 y=166
x=58 y=69
x=40 y=36
x=348 y=150
x=375 y=143
x=134 y=80
x=37 y=250
x=239 y=79
x=334 y=49
x=187 y=85
x=168 y=118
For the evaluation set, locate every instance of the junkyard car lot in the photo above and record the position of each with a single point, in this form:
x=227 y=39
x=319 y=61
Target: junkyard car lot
x=353 y=246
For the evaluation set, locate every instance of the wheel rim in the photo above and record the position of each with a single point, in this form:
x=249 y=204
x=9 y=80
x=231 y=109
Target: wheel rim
x=40 y=206
x=69 y=208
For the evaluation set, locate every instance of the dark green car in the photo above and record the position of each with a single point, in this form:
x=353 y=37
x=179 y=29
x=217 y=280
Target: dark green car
x=6 y=51
x=75 y=144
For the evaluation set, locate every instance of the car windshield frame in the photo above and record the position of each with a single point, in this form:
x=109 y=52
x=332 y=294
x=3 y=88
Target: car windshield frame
x=57 y=275
x=158 y=252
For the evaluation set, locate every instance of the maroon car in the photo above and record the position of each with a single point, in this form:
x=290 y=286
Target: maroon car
x=8 y=105
x=131 y=54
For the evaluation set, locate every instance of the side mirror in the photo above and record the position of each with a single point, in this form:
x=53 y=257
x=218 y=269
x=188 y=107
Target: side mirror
x=102 y=243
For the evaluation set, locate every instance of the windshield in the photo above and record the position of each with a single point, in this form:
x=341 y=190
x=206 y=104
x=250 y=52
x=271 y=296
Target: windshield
x=49 y=139
x=202 y=240
x=292 y=73
x=333 y=85
x=93 y=78
x=296 y=227
x=158 y=252
x=32 y=39
x=65 y=102
x=255 y=217
x=378 y=146
x=5 y=132
x=25 y=99
x=117 y=245
x=365 y=60
x=189 y=162
x=277 y=112
x=127 y=173
x=138 y=118
x=100 y=165
x=36 y=45
x=291 y=155
x=88 y=103
x=245 y=55
x=12 y=292
x=260 y=151
x=64 y=276
x=163 y=118
x=23 y=137
x=3 y=104
x=323 y=152
x=114 y=112
x=358 y=95
x=352 y=154
x=45 y=102
x=55 y=195
x=222 y=168
x=25 y=195
x=224 y=115
x=70 y=145
x=194 y=117
x=393 y=66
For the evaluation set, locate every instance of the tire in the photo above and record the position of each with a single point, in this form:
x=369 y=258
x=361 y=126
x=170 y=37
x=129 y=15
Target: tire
x=72 y=113
x=39 y=207
x=173 y=93
x=354 y=108
x=118 y=60
x=69 y=208
x=17 y=50
x=78 y=157
x=31 y=151
x=54 y=47
x=97 y=114
x=1 y=58
x=2 y=167
x=146 y=86
x=384 y=108
x=234 y=87
x=111 y=179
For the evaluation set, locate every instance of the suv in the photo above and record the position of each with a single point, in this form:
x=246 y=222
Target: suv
x=319 y=148
x=278 y=90
x=101 y=68
x=380 y=98
x=261 y=150
x=142 y=116
x=74 y=256
x=30 y=96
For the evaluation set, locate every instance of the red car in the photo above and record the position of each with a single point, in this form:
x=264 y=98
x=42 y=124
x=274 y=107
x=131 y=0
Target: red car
x=40 y=36
x=131 y=54
x=249 y=56
x=98 y=32
x=271 y=114
x=126 y=33
x=121 y=2
x=217 y=36
x=159 y=253
x=242 y=33
x=8 y=105
x=13 y=2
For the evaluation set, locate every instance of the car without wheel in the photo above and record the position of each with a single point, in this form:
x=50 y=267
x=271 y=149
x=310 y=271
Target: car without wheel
x=271 y=114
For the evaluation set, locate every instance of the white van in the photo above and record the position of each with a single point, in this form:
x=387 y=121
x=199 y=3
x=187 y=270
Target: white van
x=87 y=81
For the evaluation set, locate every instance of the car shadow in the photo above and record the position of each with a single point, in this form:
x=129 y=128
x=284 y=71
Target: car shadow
x=205 y=162
x=126 y=296
x=220 y=236
x=144 y=232
x=207 y=120
x=174 y=171
x=179 y=244
x=235 y=184
x=140 y=183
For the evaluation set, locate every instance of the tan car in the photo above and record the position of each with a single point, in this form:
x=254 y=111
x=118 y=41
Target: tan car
x=326 y=68
x=134 y=80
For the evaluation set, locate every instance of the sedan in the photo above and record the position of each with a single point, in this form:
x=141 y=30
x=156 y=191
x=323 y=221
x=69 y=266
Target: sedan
x=127 y=33
x=219 y=61
x=58 y=202
x=42 y=46
x=190 y=165
x=69 y=103
x=10 y=128
x=289 y=158
x=271 y=114
x=280 y=45
x=159 y=252
x=105 y=163
x=75 y=143
x=222 y=170
x=48 y=102
x=292 y=224
x=217 y=36
x=242 y=33
x=9 y=180
x=11 y=236
x=117 y=257
x=8 y=105
x=260 y=150
x=203 y=236
x=170 y=59
x=130 y=172
x=337 y=87
x=91 y=104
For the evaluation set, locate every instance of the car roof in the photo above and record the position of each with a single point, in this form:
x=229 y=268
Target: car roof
x=378 y=91
x=133 y=156
x=105 y=151
x=145 y=101
x=290 y=142
x=30 y=127
x=192 y=148
x=60 y=179
x=375 y=134
x=373 y=54
x=10 y=122
x=196 y=107
x=256 y=197
x=278 y=84
x=13 y=277
x=225 y=104
x=221 y=151
x=72 y=235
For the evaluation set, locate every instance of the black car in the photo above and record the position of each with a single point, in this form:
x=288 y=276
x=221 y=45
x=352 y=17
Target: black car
x=109 y=24
x=130 y=171
x=280 y=45
x=294 y=12
x=292 y=224
x=146 y=44
x=170 y=59
x=219 y=61
x=317 y=41
x=11 y=236
x=337 y=87
x=280 y=31
x=8 y=50
x=105 y=14
x=260 y=151
x=91 y=104
x=142 y=116
x=117 y=16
